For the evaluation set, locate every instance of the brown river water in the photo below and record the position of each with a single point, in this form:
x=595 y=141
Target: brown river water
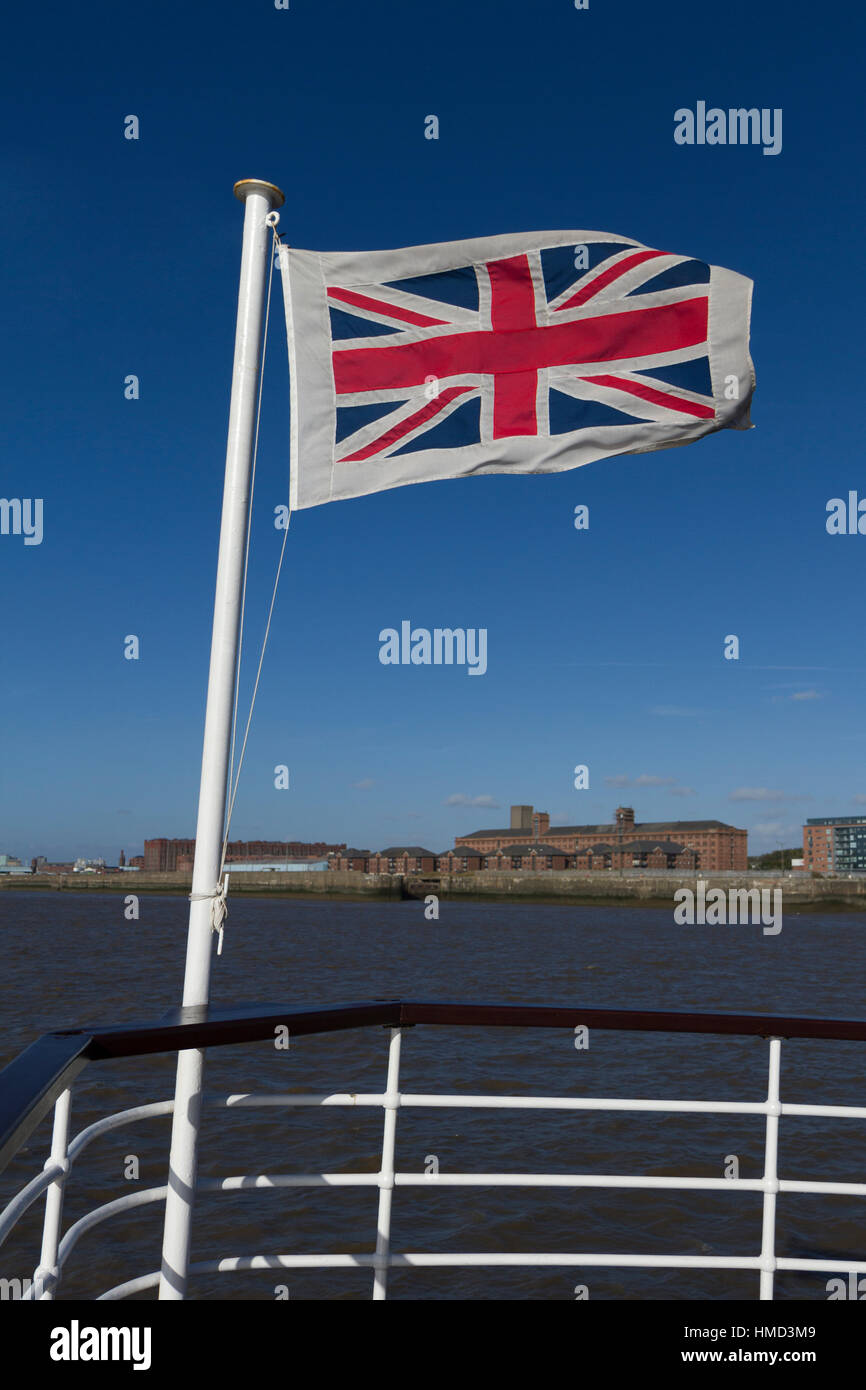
x=71 y=959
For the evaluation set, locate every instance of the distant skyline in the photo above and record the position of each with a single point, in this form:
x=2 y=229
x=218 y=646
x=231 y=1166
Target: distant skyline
x=481 y=805
x=605 y=646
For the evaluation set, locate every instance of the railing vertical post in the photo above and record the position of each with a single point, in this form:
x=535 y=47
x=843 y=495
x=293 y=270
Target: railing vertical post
x=386 y=1173
x=47 y=1274
x=771 y=1179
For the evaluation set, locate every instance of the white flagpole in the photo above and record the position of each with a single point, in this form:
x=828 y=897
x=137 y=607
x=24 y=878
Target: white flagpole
x=258 y=198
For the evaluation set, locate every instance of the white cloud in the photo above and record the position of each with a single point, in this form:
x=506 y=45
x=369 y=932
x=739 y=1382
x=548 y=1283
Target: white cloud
x=365 y=784
x=806 y=695
x=756 y=794
x=765 y=794
x=770 y=834
x=460 y=799
x=649 y=780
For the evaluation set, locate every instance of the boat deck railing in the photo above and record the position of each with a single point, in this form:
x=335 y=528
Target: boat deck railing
x=42 y=1077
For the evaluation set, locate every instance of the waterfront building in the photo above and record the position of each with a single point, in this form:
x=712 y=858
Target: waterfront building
x=163 y=856
x=357 y=859
x=534 y=855
x=715 y=844
x=88 y=866
x=637 y=854
x=835 y=844
x=160 y=856
x=461 y=859
x=531 y=855
x=11 y=864
x=278 y=866
x=403 y=859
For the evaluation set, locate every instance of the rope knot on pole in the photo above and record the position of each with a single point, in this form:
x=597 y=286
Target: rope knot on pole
x=219 y=908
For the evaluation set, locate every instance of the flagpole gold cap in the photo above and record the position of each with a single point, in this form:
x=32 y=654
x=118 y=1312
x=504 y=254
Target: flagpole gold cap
x=244 y=187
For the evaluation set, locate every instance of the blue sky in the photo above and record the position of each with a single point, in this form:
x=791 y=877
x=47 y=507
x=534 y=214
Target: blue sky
x=605 y=646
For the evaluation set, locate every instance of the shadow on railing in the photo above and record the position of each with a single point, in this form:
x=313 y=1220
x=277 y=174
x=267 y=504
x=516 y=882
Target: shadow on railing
x=43 y=1074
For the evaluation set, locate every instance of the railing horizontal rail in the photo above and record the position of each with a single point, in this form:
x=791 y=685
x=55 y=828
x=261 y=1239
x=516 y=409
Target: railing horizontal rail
x=430 y=1181
x=27 y=1196
x=97 y=1215
x=434 y=1101
x=441 y=1100
x=241 y=1263
x=117 y=1121
x=32 y=1081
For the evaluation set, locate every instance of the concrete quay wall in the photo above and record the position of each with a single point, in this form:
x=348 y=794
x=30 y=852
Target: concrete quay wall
x=797 y=889
x=324 y=882
x=632 y=886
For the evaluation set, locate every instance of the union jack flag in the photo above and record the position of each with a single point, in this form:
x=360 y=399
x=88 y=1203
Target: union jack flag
x=526 y=354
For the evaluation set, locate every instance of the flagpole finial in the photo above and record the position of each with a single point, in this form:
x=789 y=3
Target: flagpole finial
x=244 y=187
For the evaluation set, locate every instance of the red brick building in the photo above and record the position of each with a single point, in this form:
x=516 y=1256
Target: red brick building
x=636 y=854
x=403 y=859
x=714 y=844
x=349 y=858
x=531 y=855
x=538 y=855
x=160 y=856
x=396 y=859
x=818 y=848
x=463 y=858
x=164 y=856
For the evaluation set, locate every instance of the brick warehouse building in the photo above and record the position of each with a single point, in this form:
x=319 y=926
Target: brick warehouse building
x=164 y=856
x=714 y=845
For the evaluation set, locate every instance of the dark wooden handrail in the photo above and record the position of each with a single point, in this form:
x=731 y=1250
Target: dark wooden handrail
x=31 y=1083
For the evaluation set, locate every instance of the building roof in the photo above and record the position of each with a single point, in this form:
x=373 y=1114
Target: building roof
x=416 y=851
x=647 y=846
x=486 y=834
x=683 y=825
x=653 y=826
x=608 y=832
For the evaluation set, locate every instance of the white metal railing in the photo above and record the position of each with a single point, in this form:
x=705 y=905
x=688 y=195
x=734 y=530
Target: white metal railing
x=56 y=1251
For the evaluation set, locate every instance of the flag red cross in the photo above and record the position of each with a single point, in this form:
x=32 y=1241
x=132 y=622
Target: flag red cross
x=516 y=347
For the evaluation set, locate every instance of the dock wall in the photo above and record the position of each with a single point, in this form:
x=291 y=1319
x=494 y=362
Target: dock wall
x=634 y=886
